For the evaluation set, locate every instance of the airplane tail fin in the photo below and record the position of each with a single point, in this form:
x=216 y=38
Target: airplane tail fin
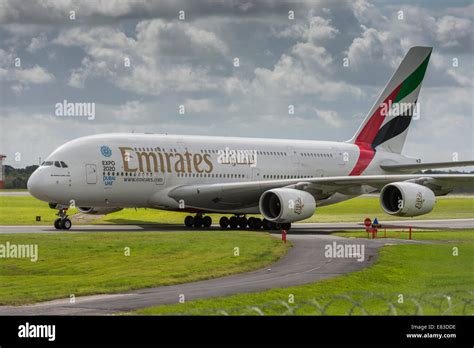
x=386 y=125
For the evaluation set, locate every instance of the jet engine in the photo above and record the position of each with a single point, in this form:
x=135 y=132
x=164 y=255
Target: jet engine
x=283 y=205
x=406 y=199
x=98 y=210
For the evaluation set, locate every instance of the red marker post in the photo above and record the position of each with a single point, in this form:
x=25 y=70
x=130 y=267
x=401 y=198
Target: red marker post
x=283 y=235
x=367 y=223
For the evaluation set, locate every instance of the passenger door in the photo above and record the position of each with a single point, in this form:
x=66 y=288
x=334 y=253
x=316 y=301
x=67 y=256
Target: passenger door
x=342 y=157
x=91 y=173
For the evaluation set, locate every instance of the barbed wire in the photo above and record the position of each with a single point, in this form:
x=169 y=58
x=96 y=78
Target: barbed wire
x=357 y=303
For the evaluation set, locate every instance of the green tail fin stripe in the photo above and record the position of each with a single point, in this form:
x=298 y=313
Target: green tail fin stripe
x=412 y=81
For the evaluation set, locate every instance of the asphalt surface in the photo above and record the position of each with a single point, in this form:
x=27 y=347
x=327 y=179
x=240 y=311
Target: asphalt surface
x=296 y=227
x=14 y=193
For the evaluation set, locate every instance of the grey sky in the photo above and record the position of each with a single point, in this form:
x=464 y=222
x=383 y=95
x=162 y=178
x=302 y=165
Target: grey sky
x=191 y=62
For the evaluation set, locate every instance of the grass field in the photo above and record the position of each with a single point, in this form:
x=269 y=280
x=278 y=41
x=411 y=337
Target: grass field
x=92 y=263
x=23 y=211
x=429 y=277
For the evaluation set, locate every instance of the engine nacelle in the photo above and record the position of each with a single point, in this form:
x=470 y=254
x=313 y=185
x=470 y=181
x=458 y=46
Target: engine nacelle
x=406 y=199
x=98 y=210
x=284 y=205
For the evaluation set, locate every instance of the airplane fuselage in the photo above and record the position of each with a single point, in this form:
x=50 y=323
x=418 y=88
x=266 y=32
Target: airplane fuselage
x=138 y=170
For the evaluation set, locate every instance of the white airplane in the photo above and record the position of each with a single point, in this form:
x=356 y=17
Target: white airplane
x=283 y=180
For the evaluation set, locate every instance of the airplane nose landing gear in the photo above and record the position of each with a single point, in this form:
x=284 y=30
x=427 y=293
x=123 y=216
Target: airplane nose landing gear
x=62 y=223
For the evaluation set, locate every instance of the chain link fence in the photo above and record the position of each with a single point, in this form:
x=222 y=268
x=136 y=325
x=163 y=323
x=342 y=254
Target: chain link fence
x=357 y=303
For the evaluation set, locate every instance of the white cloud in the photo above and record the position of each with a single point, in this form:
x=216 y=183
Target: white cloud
x=330 y=117
x=374 y=49
x=37 y=43
x=159 y=57
x=453 y=31
x=462 y=80
x=35 y=75
x=445 y=125
x=314 y=58
x=367 y=13
x=197 y=105
x=21 y=78
x=131 y=110
x=317 y=29
x=308 y=69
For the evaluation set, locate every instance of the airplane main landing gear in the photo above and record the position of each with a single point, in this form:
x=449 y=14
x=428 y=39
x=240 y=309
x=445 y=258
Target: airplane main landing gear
x=235 y=222
x=62 y=223
x=198 y=221
x=251 y=223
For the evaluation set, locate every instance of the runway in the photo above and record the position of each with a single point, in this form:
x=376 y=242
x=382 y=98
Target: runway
x=320 y=227
x=14 y=194
x=304 y=263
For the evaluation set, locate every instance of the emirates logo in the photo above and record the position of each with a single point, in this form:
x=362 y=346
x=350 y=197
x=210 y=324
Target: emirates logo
x=419 y=201
x=298 y=206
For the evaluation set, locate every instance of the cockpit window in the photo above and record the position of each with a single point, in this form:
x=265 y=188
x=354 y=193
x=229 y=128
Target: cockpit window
x=59 y=164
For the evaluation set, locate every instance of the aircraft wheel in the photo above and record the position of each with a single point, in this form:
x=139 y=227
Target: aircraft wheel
x=57 y=224
x=224 y=222
x=257 y=224
x=66 y=224
x=233 y=222
x=286 y=226
x=198 y=221
x=267 y=225
x=207 y=221
x=251 y=223
x=243 y=223
x=189 y=221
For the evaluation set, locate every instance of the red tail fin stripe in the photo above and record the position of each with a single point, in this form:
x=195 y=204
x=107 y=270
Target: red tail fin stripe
x=368 y=133
x=366 y=137
x=366 y=154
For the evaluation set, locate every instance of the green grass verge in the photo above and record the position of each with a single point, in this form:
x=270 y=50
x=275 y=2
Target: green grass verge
x=425 y=274
x=92 y=263
x=23 y=211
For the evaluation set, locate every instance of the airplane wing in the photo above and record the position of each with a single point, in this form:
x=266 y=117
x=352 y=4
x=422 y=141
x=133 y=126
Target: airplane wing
x=421 y=166
x=247 y=194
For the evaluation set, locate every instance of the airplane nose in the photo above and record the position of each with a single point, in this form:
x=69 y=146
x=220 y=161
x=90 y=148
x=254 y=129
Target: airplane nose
x=36 y=187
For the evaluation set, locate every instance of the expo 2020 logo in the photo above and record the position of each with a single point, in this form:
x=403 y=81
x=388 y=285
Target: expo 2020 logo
x=106 y=151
